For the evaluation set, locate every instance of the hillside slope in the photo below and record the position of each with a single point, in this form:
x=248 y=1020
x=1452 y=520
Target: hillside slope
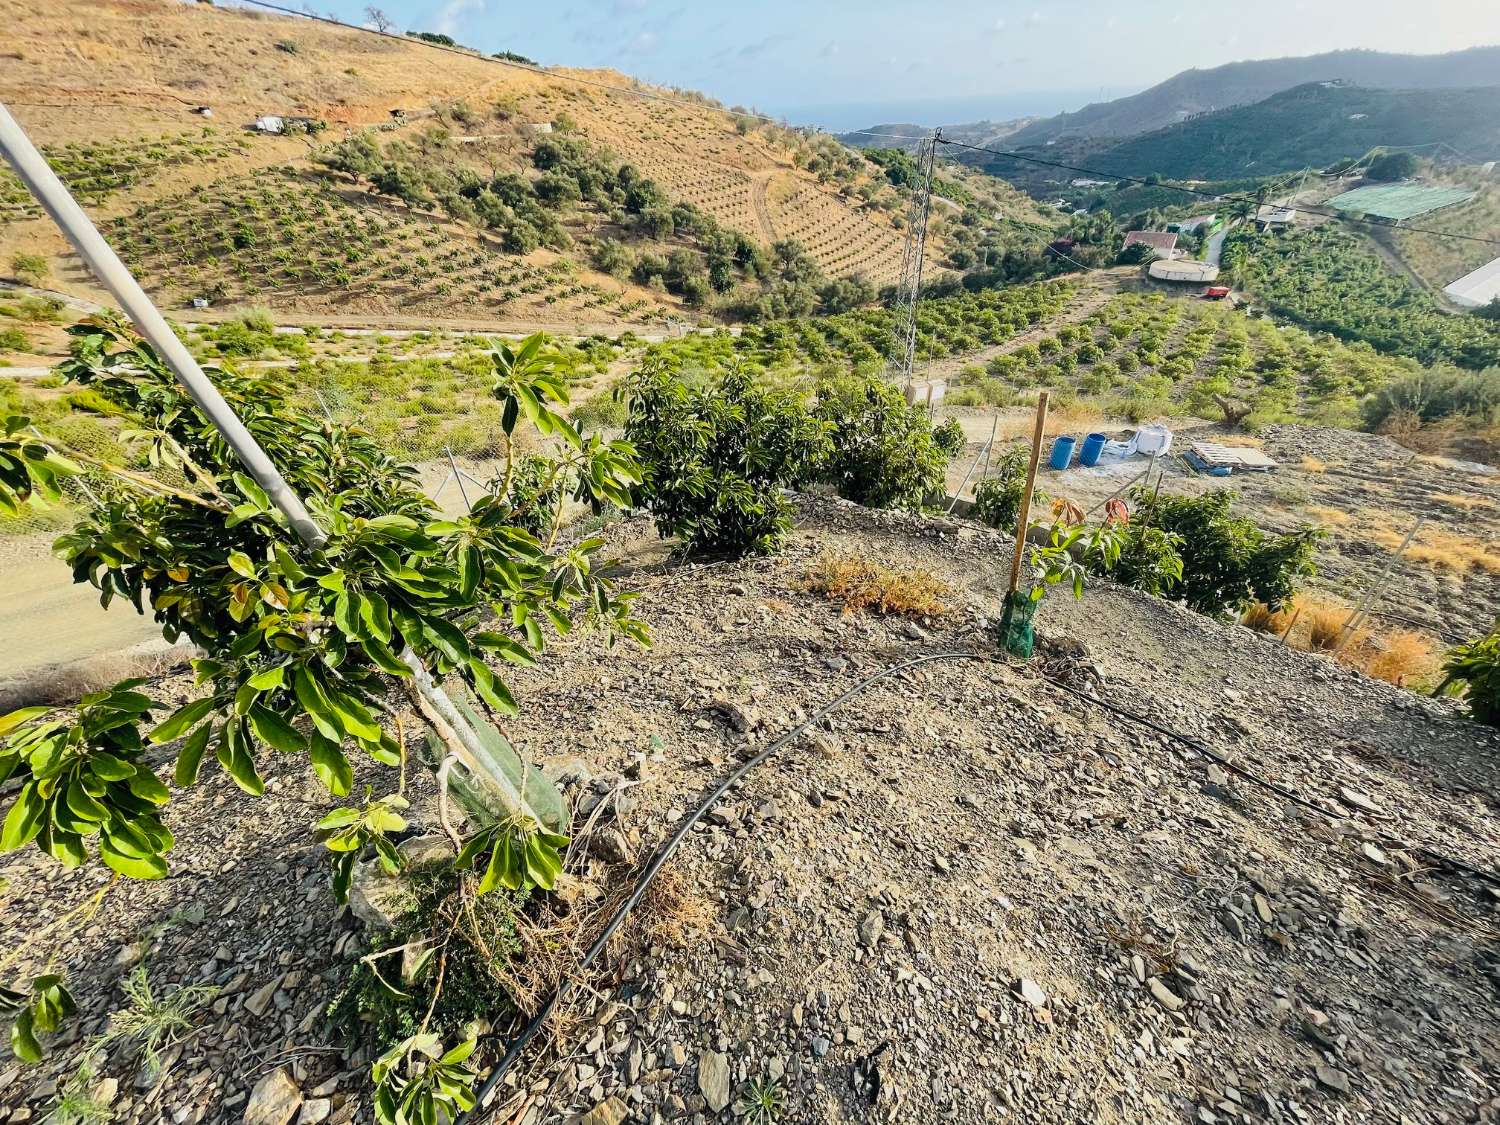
x=1200 y=91
x=1313 y=125
x=128 y=72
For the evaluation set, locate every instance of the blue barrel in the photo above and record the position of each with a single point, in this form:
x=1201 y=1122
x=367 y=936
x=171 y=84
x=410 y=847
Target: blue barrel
x=1062 y=452
x=1093 y=445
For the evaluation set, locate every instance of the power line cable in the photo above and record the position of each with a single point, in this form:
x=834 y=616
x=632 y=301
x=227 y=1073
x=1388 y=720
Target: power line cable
x=1221 y=197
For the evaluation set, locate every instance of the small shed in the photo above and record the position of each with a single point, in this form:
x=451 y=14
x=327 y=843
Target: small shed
x=1269 y=216
x=539 y=128
x=1164 y=242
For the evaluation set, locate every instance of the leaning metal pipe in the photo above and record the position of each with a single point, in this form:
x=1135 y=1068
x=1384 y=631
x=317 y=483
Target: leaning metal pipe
x=51 y=193
x=79 y=229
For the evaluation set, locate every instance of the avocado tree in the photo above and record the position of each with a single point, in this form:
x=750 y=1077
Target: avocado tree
x=305 y=649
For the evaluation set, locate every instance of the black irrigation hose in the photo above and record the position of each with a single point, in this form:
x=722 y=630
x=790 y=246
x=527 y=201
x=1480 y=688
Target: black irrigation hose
x=665 y=852
x=1279 y=790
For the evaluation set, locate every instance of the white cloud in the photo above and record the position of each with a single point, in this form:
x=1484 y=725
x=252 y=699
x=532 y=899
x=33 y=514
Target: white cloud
x=455 y=12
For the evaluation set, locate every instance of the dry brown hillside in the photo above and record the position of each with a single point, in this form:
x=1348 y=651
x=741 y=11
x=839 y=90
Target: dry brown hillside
x=128 y=74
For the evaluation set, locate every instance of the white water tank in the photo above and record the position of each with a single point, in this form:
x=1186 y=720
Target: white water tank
x=1155 y=440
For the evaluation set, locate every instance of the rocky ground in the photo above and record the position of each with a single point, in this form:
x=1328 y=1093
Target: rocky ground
x=966 y=896
x=1367 y=491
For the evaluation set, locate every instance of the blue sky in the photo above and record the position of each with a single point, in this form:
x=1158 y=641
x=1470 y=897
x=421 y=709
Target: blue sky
x=799 y=56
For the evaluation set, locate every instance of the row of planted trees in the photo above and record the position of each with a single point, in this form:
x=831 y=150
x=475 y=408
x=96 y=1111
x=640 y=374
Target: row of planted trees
x=319 y=651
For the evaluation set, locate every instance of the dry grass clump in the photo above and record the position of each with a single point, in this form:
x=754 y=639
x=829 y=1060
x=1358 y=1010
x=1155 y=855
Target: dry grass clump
x=1460 y=500
x=1313 y=465
x=1438 y=549
x=1239 y=441
x=862 y=584
x=1263 y=619
x=1398 y=657
x=1325 y=623
x=1328 y=517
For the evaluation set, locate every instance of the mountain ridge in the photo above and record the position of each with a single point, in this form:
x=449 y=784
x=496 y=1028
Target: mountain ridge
x=1197 y=91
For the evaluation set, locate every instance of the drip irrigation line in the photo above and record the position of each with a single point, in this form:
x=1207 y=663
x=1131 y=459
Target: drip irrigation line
x=1219 y=196
x=1240 y=771
x=665 y=852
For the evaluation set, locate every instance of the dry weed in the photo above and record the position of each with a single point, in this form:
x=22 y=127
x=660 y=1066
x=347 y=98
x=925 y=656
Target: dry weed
x=1263 y=619
x=1438 y=549
x=1397 y=658
x=1325 y=623
x=862 y=584
x=1313 y=465
x=1329 y=517
x=1467 y=503
x=1241 y=441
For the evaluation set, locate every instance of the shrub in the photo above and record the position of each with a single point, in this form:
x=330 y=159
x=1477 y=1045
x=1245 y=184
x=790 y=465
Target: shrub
x=32 y=269
x=14 y=340
x=1228 y=561
x=1325 y=624
x=949 y=437
x=884 y=454
x=1149 y=559
x=997 y=499
x=862 y=584
x=714 y=459
x=1473 y=670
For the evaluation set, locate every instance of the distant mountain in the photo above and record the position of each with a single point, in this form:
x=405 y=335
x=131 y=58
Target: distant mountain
x=978 y=133
x=1240 y=83
x=1312 y=125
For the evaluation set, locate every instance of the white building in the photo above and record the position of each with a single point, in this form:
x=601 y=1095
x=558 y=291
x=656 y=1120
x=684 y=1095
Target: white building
x=1476 y=289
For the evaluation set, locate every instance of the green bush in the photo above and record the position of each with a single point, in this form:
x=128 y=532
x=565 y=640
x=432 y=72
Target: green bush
x=1227 y=561
x=997 y=500
x=950 y=438
x=14 y=340
x=715 y=459
x=1436 y=395
x=1473 y=669
x=884 y=452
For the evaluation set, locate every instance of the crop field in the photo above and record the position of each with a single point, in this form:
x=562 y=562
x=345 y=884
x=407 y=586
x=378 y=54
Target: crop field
x=1328 y=280
x=1440 y=261
x=93 y=172
x=285 y=235
x=863 y=340
x=1142 y=356
x=1398 y=201
x=843 y=242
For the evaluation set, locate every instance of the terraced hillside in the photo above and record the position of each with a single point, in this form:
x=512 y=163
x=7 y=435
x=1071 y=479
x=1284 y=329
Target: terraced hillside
x=100 y=84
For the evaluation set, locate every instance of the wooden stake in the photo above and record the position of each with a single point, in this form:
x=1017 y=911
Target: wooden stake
x=1023 y=517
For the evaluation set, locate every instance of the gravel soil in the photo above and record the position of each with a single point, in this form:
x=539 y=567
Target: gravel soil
x=965 y=896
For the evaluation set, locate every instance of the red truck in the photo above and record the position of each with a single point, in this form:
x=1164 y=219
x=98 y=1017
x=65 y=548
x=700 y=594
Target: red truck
x=1216 y=292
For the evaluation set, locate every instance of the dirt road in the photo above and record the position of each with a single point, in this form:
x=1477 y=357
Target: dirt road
x=45 y=619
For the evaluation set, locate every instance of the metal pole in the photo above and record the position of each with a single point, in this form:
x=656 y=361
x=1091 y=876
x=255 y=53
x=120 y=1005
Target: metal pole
x=989 y=448
x=961 y=484
x=49 y=191
x=1347 y=633
x=86 y=239
x=458 y=478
